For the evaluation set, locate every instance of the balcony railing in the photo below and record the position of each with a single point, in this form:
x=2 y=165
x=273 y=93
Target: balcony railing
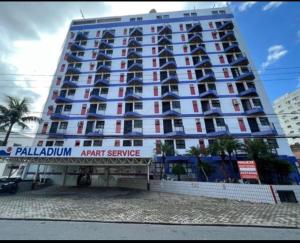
x=245 y=76
x=95 y=114
x=99 y=81
x=195 y=39
x=136 y=32
x=63 y=99
x=172 y=112
x=81 y=36
x=134 y=43
x=229 y=36
x=59 y=115
x=170 y=95
x=72 y=58
x=177 y=133
x=108 y=34
x=209 y=94
x=103 y=68
x=213 y=111
x=97 y=97
x=96 y=132
x=210 y=77
x=232 y=48
x=132 y=114
x=165 y=52
x=76 y=47
x=265 y=130
x=203 y=63
x=135 y=132
x=195 y=28
x=248 y=92
x=105 y=45
x=256 y=110
x=135 y=80
x=169 y=65
x=134 y=54
x=69 y=84
x=133 y=96
x=164 y=41
x=240 y=61
x=73 y=70
x=171 y=79
x=198 y=50
x=218 y=131
x=228 y=25
x=165 y=30
x=58 y=133
x=102 y=56
x=135 y=67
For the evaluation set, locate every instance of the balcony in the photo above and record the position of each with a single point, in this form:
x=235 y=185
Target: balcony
x=165 y=52
x=60 y=116
x=169 y=65
x=164 y=41
x=136 y=32
x=210 y=77
x=265 y=131
x=133 y=96
x=73 y=70
x=103 y=57
x=232 y=48
x=177 y=133
x=132 y=114
x=101 y=82
x=195 y=39
x=165 y=30
x=245 y=76
x=95 y=114
x=240 y=61
x=103 y=69
x=195 y=28
x=69 y=84
x=228 y=25
x=218 y=132
x=97 y=97
x=198 y=51
x=63 y=99
x=134 y=54
x=72 y=58
x=203 y=63
x=135 y=67
x=255 y=111
x=171 y=79
x=59 y=133
x=81 y=36
x=134 y=43
x=170 y=95
x=105 y=45
x=76 y=47
x=135 y=80
x=136 y=132
x=172 y=113
x=97 y=132
x=248 y=92
x=229 y=36
x=214 y=111
x=209 y=94
x=108 y=34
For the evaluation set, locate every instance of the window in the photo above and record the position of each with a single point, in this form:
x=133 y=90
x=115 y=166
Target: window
x=63 y=125
x=264 y=121
x=193 y=14
x=139 y=19
x=87 y=143
x=49 y=143
x=138 y=143
x=68 y=108
x=214 y=12
x=59 y=143
x=138 y=105
x=186 y=15
x=132 y=19
x=180 y=144
x=220 y=122
x=126 y=143
x=97 y=143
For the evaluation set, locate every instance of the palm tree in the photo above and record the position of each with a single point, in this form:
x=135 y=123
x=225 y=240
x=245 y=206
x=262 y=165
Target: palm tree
x=178 y=170
x=165 y=149
x=15 y=113
x=223 y=147
x=197 y=152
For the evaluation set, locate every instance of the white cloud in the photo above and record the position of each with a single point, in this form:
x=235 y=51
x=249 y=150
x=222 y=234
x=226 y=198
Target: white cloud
x=274 y=54
x=244 y=6
x=271 y=5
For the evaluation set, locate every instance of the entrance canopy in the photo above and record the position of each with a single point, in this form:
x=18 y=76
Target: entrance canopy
x=98 y=156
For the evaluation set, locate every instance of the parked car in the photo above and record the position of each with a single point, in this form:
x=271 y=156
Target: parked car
x=10 y=187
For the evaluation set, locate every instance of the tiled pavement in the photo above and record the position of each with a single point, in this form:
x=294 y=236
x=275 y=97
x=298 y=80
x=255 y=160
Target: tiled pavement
x=124 y=205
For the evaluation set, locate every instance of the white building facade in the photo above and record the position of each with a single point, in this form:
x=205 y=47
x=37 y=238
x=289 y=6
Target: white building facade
x=288 y=109
x=183 y=78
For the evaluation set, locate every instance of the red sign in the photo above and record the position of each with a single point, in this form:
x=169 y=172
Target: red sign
x=248 y=169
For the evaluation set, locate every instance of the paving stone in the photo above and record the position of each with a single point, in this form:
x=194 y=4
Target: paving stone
x=126 y=205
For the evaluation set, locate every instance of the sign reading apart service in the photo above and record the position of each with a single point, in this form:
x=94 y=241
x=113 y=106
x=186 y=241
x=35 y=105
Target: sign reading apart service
x=71 y=152
x=248 y=169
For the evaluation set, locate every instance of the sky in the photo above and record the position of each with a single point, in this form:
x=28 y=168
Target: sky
x=33 y=34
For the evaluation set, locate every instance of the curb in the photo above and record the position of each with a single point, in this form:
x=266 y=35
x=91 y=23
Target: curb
x=151 y=223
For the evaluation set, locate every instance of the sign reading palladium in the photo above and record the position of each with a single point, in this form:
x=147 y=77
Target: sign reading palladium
x=71 y=152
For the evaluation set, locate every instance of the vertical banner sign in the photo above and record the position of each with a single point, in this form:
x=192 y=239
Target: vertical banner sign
x=248 y=169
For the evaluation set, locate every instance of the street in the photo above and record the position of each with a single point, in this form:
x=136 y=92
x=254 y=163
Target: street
x=63 y=230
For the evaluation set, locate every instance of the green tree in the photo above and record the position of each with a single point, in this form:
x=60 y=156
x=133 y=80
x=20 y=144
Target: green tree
x=282 y=169
x=15 y=113
x=178 y=170
x=224 y=147
x=198 y=152
x=165 y=150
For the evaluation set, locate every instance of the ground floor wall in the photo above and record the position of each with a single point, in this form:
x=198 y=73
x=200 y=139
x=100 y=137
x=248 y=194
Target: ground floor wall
x=241 y=192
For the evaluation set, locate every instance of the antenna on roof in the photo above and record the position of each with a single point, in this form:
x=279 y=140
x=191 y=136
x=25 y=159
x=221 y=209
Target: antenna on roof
x=214 y=5
x=81 y=13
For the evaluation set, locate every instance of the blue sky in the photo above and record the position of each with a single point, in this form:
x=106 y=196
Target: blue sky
x=277 y=26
